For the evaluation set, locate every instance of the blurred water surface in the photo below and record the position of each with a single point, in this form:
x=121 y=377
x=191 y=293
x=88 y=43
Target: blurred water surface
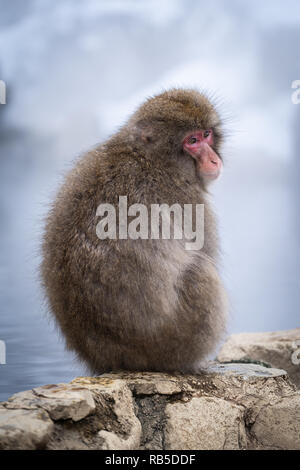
x=74 y=72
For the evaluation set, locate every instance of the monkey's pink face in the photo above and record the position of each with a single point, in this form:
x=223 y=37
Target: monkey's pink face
x=199 y=146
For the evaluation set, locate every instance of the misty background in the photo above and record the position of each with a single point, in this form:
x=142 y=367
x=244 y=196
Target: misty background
x=75 y=70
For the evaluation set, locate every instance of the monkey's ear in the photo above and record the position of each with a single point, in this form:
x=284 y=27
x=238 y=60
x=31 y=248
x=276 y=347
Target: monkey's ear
x=144 y=131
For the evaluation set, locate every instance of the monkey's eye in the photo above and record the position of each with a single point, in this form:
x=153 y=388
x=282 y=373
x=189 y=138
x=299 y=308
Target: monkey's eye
x=192 y=140
x=206 y=134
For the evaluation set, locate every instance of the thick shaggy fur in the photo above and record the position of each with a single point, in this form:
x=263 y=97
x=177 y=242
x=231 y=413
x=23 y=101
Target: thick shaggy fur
x=136 y=304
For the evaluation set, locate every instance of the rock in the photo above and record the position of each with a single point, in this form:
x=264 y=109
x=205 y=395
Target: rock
x=114 y=424
x=205 y=423
x=226 y=406
x=62 y=401
x=24 y=429
x=277 y=426
x=278 y=349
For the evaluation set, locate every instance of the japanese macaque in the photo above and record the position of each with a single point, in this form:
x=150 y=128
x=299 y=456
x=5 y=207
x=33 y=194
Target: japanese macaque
x=139 y=304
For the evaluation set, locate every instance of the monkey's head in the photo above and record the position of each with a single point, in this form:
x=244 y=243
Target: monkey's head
x=182 y=128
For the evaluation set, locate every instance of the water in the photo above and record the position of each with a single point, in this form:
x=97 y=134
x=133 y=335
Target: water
x=74 y=71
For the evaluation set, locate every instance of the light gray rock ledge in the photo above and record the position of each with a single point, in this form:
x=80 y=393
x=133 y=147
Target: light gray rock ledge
x=228 y=406
x=277 y=348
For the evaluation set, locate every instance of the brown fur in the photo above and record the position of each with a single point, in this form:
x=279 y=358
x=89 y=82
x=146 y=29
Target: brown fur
x=136 y=304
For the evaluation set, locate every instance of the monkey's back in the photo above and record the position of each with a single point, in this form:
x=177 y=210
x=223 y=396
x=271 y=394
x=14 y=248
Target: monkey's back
x=129 y=304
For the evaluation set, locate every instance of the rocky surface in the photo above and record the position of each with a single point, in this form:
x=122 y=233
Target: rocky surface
x=278 y=349
x=227 y=406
